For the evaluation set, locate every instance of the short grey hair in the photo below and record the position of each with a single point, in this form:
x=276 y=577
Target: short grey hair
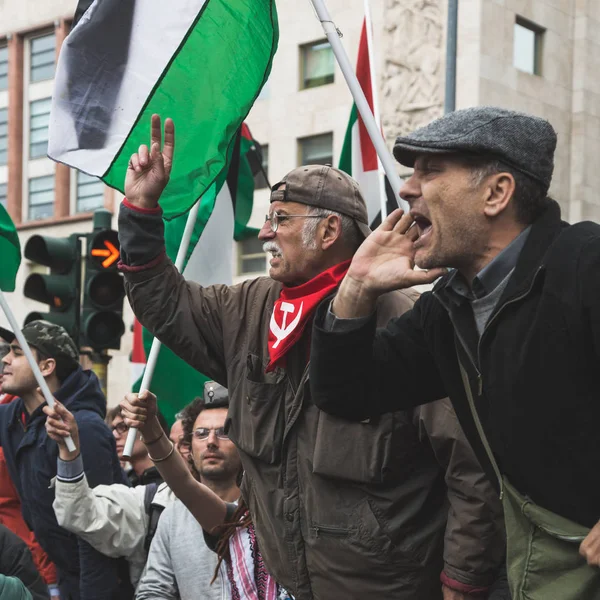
x=351 y=235
x=530 y=195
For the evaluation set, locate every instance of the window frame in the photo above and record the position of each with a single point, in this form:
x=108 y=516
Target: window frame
x=304 y=81
x=4 y=47
x=31 y=40
x=48 y=100
x=241 y=257
x=538 y=37
x=29 y=194
x=301 y=141
x=4 y=136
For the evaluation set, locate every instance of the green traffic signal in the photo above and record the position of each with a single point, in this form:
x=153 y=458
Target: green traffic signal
x=60 y=289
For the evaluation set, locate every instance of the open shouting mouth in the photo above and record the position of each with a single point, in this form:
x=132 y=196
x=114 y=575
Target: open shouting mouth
x=423 y=225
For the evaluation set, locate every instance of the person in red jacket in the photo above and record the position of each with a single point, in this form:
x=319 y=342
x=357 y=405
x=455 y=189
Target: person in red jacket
x=10 y=504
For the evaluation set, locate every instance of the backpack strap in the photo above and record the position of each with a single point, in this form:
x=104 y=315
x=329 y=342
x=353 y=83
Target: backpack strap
x=153 y=511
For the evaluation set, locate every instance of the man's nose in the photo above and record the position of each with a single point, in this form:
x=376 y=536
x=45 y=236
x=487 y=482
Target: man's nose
x=212 y=439
x=411 y=189
x=266 y=232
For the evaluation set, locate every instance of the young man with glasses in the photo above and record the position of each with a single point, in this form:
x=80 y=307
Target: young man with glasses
x=118 y=521
x=341 y=509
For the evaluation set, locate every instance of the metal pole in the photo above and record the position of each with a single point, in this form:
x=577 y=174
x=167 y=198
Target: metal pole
x=155 y=349
x=31 y=360
x=377 y=114
x=451 y=43
x=359 y=98
x=100 y=362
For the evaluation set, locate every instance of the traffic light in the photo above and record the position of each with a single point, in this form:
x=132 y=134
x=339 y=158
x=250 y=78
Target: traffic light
x=60 y=289
x=103 y=291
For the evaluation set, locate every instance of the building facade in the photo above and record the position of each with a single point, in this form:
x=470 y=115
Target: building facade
x=539 y=56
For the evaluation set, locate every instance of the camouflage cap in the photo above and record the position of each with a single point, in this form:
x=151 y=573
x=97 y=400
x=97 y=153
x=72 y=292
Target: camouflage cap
x=53 y=340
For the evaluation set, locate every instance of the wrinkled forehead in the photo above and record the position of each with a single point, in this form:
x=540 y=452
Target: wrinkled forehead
x=288 y=208
x=211 y=418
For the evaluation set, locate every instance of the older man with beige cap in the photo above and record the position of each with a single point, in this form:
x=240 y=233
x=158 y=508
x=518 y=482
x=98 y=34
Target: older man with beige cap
x=341 y=510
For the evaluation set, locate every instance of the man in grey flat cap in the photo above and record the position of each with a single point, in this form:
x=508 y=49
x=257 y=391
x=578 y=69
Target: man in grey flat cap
x=511 y=332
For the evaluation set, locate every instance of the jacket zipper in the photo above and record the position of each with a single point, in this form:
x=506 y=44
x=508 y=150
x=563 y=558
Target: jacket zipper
x=330 y=531
x=487 y=325
x=475 y=365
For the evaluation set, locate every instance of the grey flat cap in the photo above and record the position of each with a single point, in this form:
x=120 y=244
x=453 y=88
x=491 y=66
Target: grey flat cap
x=522 y=141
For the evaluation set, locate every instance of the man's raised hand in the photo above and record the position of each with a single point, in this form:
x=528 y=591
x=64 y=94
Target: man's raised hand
x=384 y=262
x=60 y=423
x=149 y=170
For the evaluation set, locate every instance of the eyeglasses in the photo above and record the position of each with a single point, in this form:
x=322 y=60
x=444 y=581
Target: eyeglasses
x=275 y=218
x=120 y=428
x=202 y=433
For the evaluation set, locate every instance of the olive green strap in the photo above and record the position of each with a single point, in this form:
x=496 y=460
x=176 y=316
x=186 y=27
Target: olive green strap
x=478 y=425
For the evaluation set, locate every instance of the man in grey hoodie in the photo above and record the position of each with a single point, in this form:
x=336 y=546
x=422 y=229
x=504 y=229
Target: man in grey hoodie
x=180 y=564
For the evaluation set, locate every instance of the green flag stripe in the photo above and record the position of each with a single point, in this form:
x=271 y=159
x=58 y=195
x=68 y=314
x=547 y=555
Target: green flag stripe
x=208 y=89
x=10 y=251
x=346 y=155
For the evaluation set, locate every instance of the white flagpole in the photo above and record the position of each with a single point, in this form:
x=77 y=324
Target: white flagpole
x=377 y=114
x=31 y=360
x=359 y=98
x=155 y=349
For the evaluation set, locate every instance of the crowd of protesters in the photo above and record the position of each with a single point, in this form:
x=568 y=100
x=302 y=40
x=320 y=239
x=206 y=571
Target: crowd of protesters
x=325 y=459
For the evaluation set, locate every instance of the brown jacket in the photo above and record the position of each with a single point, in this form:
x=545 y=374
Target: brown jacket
x=342 y=509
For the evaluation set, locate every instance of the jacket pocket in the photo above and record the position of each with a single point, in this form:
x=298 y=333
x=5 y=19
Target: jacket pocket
x=358 y=452
x=257 y=417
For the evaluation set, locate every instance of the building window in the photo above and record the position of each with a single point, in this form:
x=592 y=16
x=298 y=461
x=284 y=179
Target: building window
x=316 y=64
x=3 y=194
x=3 y=68
x=43 y=54
x=39 y=119
x=527 y=51
x=251 y=258
x=41 y=197
x=90 y=193
x=316 y=150
x=261 y=179
x=3 y=136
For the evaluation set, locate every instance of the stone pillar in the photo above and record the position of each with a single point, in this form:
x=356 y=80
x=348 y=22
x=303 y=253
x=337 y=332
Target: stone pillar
x=15 y=128
x=62 y=184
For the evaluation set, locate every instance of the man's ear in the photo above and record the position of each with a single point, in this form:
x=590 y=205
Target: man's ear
x=47 y=367
x=330 y=231
x=499 y=190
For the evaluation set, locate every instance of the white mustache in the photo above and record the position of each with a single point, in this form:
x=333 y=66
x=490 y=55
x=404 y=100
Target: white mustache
x=272 y=247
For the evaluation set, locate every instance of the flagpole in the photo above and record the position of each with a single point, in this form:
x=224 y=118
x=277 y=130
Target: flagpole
x=155 y=348
x=376 y=113
x=359 y=98
x=31 y=360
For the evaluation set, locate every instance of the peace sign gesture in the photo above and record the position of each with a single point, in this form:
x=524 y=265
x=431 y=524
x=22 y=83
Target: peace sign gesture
x=149 y=170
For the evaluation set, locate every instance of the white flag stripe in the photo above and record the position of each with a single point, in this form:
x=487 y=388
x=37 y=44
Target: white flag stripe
x=212 y=258
x=146 y=61
x=368 y=180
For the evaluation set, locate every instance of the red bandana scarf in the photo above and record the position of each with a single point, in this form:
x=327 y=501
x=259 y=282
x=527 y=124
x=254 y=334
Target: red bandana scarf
x=294 y=310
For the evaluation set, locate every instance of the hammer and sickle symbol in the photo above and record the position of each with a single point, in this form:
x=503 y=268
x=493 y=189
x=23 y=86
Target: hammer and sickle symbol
x=282 y=332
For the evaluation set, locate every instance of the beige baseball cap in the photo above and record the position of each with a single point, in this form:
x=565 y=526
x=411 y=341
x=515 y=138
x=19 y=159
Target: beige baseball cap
x=326 y=187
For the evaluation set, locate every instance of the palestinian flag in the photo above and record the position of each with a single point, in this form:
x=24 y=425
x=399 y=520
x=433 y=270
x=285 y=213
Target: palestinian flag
x=223 y=216
x=10 y=251
x=359 y=157
x=201 y=62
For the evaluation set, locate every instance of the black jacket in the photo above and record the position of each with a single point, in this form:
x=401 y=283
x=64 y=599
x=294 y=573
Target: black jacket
x=31 y=458
x=533 y=372
x=16 y=561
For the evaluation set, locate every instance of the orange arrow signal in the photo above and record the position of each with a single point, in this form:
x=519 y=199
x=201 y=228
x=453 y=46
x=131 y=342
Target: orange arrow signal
x=111 y=253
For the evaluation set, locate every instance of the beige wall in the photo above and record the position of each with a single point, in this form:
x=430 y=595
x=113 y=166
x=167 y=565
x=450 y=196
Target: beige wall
x=18 y=15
